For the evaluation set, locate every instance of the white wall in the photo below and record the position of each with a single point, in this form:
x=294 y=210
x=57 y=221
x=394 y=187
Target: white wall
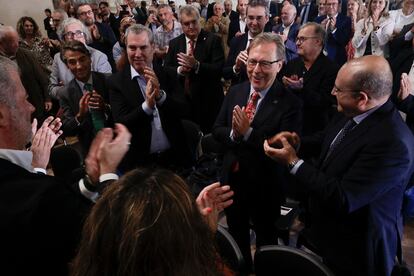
x=12 y=10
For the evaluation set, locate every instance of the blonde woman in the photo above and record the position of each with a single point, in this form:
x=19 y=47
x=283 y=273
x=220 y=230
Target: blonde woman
x=373 y=33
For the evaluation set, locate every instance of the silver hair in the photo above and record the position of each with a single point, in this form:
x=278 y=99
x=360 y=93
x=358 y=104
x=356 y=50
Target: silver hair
x=62 y=12
x=270 y=38
x=70 y=21
x=137 y=29
x=6 y=82
x=4 y=30
x=259 y=3
x=189 y=9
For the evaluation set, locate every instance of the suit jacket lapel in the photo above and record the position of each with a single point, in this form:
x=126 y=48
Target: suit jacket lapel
x=358 y=131
x=314 y=70
x=132 y=90
x=268 y=104
x=200 y=45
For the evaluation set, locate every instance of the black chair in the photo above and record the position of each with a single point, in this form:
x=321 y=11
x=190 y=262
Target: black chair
x=287 y=261
x=193 y=135
x=229 y=250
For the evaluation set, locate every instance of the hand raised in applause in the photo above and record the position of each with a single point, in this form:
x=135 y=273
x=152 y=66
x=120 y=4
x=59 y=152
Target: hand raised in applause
x=405 y=87
x=43 y=140
x=281 y=147
x=240 y=122
x=212 y=200
x=241 y=60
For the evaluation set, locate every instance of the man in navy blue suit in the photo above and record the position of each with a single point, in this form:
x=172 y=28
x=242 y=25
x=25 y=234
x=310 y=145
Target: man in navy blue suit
x=338 y=31
x=252 y=111
x=257 y=17
x=288 y=30
x=356 y=188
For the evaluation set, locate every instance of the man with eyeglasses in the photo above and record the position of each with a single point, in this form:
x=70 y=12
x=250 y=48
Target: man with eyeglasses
x=257 y=16
x=195 y=60
x=356 y=187
x=252 y=111
x=311 y=77
x=103 y=38
x=338 y=29
x=73 y=29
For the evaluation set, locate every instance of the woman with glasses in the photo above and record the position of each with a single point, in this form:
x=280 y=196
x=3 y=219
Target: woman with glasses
x=373 y=33
x=31 y=39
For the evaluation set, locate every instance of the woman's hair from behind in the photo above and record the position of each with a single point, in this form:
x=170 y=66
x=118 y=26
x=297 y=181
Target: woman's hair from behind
x=146 y=224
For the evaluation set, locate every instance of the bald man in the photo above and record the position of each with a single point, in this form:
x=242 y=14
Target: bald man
x=356 y=187
x=288 y=30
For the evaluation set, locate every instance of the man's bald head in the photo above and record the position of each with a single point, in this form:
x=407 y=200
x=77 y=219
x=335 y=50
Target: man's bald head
x=371 y=74
x=9 y=40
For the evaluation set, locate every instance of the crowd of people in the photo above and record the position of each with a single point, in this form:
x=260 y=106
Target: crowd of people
x=306 y=100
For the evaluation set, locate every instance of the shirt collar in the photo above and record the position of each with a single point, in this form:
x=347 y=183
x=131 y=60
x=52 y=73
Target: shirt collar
x=20 y=158
x=187 y=40
x=262 y=93
x=82 y=84
x=359 y=118
x=134 y=73
x=335 y=16
x=290 y=25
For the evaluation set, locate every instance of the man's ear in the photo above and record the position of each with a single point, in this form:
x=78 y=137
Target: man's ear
x=4 y=115
x=363 y=99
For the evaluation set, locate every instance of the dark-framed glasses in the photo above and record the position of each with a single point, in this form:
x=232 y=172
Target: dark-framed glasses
x=264 y=64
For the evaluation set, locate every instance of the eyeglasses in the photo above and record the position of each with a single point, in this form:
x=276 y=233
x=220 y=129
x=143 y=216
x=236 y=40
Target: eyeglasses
x=85 y=13
x=335 y=90
x=74 y=34
x=301 y=39
x=188 y=23
x=264 y=64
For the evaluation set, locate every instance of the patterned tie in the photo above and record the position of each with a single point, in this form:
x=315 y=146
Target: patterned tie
x=187 y=88
x=251 y=105
x=348 y=127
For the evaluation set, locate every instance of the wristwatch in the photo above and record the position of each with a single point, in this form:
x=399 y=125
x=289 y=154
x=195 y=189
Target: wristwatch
x=161 y=94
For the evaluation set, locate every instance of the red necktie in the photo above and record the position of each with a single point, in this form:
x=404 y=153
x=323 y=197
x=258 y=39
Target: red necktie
x=187 y=88
x=251 y=105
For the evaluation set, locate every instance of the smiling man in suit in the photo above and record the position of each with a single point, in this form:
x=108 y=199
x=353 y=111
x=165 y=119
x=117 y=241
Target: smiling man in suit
x=356 y=188
x=195 y=60
x=288 y=30
x=338 y=31
x=252 y=111
x=139 y=100
x=85 y=95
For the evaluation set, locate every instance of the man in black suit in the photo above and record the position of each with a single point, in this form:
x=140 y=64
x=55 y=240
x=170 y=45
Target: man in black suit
x=356 y=188
x=257 y=16
x=195 y=60
x=237 y=25
x=41 y=217
x=252 y=111
x=311 y=77
x=288 y=30
x=139 y=100
x=228 y=10
x=307 y=12
x=84 y=100
x=109 y=18
x=402 y=41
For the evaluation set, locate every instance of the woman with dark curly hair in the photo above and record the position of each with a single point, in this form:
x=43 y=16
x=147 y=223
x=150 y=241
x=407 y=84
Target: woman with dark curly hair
x=149 y=224
x=31 y=39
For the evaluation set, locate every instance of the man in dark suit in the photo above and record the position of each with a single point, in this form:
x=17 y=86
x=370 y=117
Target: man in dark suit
x=252 y=111
x=288 y=30
x=195 y=60
x=84 y=100
x=237 y=25
x=139 y=100
x=228 y=10
x=257 y=16
x=356 y=188
x=402 y=41
x=308 y=11
x=109 y=18
x=338 y=31
x=41 y=217
x=311 y=77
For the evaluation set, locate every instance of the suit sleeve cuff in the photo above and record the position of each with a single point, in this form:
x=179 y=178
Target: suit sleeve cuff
x=247 y=135
x=296 y=167
x=93 y=196
x=40 y=171
x=108 y=176
x=147 y=109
